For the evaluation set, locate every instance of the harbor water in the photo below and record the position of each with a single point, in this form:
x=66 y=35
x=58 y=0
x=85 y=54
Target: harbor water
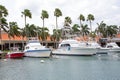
x=97 y=67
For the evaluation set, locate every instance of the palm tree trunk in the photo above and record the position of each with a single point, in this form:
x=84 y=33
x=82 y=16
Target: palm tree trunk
x=9 y=42
x=0 y=35
x=0 y=28
x=43 y=32
x=90 y=26
x=56 y=32
x=56 y=23
x=26 y=29
x=14 y=43
x=22 y=43
x=80 y=23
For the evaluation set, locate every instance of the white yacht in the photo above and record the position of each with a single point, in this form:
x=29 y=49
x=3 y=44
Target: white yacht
x=73 y=47
x=34 y=49
x=113 y=48
x=110 y=47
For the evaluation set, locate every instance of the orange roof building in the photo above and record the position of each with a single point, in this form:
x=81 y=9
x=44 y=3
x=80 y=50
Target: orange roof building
x=16 y=39
x=19 y=39
x=5 y=39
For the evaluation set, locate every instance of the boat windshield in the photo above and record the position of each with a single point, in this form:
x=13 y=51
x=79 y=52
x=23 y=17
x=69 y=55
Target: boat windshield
x=33 y=41
x=14 y=48
x=65 y=45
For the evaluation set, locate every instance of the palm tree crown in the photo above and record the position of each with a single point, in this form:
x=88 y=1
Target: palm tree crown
x=81 y=18
x=4 y=24
x=3 y=11
x=57 y=13
x=90 y=18
x=44 y=15
x=106 y=31
x=84 y=30
x=13 y=29
x=67 y=21
x=26 y=13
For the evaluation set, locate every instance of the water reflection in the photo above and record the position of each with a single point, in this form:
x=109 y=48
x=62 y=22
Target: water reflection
x=109 y=56
x=97 y=67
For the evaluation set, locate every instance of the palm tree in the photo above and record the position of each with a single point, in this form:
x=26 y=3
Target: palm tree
x=4 y=24
x=111 y=30
x=38 y=31
x=26 y=13
x=101 y=29
x=30 y=30
x=44 y=31
x=57 y=13
x=23 y=34
x=13 y=30
x=81 y=18
x=4 y=27
x=67 y=21
x=90 y=18
x=33 y=30
x=76 y=29
x=85 y=30
x=67 y=30
x=44 y=15
x=3 y=13
x=93 y=35
x=106 y=31
x=56 y=36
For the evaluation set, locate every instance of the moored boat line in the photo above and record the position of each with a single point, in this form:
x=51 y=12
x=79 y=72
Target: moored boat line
x=69 y=47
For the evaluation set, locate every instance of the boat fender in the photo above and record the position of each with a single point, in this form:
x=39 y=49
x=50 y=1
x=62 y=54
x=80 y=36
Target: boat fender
x=5 y=59
x=42 y=61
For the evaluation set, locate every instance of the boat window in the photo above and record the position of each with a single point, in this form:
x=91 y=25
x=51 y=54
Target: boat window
x=27 y=47
x=65 y=45
x=14 y=48
x=88 y=44
x=110 y=46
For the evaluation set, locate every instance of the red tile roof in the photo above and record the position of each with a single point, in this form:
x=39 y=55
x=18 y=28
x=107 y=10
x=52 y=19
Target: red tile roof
x=4 y=36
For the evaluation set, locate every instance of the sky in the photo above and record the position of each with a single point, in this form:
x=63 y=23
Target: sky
x=103 y=10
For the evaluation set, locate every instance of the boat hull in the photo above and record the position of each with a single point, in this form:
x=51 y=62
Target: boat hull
x=114 y=50
x=38 y=53
x=75 y=52
x=15 y=55
x=108 y=50
x=102 y=51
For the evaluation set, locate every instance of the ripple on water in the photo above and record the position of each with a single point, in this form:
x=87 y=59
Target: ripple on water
x=62 y=68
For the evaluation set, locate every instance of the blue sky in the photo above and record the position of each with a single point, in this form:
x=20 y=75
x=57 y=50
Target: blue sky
x=103 y=10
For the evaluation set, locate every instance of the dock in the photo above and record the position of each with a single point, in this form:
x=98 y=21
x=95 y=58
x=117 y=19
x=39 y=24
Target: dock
x=3 y=55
